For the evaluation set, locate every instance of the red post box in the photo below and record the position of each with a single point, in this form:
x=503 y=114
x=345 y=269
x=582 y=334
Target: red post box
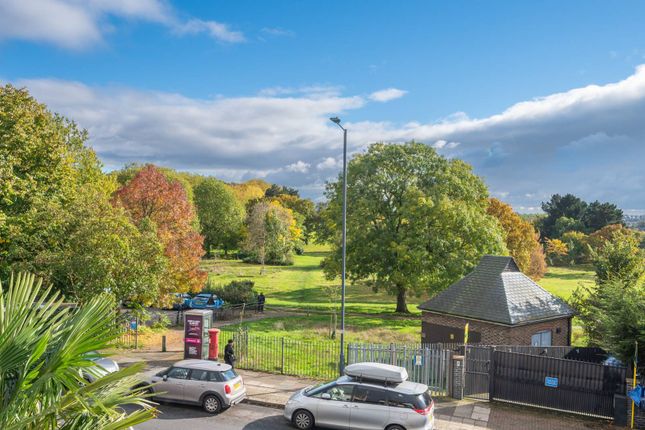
x=213 y=347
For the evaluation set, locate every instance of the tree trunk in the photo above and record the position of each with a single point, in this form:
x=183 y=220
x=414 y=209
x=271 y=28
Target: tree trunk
x=401 y=304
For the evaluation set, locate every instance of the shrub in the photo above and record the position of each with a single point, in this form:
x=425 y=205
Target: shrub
x=235 y=292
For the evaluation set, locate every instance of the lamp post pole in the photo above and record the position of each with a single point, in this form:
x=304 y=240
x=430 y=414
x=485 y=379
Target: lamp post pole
x=336 y=120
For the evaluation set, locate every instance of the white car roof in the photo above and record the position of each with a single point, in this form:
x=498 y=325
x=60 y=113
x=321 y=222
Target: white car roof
x=203 y=365
x=377 y=372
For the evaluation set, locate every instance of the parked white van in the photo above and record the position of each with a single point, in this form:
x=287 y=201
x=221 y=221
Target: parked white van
x=369 y=396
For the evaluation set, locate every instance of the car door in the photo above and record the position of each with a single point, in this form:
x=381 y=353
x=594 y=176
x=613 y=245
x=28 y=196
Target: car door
x=333 y=406
x=195 y=385
x=172 y=388
x=368 y=409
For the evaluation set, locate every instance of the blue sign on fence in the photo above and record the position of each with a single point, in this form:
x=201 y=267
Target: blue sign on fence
x=551 y=382
x=133 y=325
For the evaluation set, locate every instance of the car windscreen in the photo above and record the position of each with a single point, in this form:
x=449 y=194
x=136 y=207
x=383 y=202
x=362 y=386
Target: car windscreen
x=319 y=388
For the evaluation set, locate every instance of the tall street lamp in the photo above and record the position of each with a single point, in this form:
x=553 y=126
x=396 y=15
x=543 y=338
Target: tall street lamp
x=336 y=120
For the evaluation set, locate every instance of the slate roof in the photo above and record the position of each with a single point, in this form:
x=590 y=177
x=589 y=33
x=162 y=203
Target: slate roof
x=497 y=291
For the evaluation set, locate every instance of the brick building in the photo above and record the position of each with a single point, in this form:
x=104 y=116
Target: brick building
x=502 y=305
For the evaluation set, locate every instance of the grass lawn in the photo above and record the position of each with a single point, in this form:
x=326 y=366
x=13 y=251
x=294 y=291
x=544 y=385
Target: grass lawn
x=359 y=329
x=303 y=284
x=562 y=281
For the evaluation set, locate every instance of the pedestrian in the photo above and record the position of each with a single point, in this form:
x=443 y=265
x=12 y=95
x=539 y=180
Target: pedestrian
x=261 y=300
x=229 y=353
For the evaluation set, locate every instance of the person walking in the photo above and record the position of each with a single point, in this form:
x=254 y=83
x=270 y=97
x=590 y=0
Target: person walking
x=229 y=353
x=261 y=300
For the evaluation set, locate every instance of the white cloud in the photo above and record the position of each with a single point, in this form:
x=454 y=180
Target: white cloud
x=276 y=31
x=387 y=95
x=77 y=25
x=216 y=30
x=299 y=166
x=330 y=163
x=588 y=141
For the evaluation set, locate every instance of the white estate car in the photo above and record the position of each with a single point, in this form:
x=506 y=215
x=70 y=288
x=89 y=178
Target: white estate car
x=369 y=396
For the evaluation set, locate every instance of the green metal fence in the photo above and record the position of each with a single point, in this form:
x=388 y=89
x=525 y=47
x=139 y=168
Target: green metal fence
x=312 y=359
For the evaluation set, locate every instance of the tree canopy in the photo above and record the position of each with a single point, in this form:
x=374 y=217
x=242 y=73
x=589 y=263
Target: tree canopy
x=151 y=198
x=571 y=213
x=272 y=234
x=520 y=238
x=416 y=221
x=221 y=215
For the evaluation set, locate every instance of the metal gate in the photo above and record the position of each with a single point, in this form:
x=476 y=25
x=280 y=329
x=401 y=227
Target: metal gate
x=427 y=365
x=477 y=371
x=559 y=384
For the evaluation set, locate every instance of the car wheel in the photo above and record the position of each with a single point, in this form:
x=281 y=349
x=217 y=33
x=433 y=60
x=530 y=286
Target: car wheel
x=395 y=427
x=303 y=420
x=212 y=404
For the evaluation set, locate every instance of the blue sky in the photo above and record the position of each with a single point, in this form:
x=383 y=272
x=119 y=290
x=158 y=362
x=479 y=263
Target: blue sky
x=541 y=97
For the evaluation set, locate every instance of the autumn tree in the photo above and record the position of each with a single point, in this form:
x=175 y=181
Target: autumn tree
x=249 y=190
x=221 y=216
x=556 y=251
x=271 y=234
x=578 y=249
x=416 y=221
x=150 y=197
x=520 y=236
x=537 y=266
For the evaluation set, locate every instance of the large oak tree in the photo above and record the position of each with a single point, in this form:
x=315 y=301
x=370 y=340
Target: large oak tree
x=416 y=221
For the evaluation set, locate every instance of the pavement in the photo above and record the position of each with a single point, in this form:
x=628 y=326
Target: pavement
x=267 y=394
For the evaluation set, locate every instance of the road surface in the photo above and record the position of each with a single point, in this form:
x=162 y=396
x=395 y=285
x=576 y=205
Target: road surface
x=239 y=417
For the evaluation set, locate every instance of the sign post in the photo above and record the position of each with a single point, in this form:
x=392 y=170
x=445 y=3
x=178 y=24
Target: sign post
x=634 y=381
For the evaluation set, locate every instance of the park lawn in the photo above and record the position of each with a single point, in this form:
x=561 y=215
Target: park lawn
x=303 y=284
x=562 y=281
x=359 y=329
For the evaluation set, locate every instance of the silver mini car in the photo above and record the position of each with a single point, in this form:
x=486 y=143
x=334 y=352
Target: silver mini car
x=356 y=402
x=214 y=386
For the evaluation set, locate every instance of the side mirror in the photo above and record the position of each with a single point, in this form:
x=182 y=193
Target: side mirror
x=325 y=396
x=165 y=377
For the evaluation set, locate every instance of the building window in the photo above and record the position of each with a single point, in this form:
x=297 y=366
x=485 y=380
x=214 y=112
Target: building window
x=541 y=338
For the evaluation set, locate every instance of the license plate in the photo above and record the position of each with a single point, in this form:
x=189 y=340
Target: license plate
x=236 y=386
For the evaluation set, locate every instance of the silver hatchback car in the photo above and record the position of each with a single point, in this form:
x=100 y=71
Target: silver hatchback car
x=360 y=404
x=213 y=385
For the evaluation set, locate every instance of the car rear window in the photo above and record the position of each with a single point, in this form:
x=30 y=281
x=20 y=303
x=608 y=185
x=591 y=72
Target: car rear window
x=224 y=376
x=410 y=401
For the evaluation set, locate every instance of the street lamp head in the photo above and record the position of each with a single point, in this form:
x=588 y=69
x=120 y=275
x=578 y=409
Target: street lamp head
x=335 y=119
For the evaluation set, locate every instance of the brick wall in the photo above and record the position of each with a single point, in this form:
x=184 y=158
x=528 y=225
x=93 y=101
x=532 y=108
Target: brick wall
x=493 y=334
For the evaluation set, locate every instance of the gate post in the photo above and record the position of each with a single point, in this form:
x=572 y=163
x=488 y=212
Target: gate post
x=457 y=377
x=392 y=354
x=491 y=374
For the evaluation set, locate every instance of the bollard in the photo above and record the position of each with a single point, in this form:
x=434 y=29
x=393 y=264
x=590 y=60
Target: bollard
x=163 y=343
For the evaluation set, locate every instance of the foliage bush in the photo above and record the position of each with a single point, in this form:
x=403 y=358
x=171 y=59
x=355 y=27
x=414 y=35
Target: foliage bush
x=234 y=293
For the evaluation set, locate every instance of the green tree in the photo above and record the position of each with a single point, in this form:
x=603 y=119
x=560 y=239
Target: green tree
x=221 y=216
x=597 y=215
x=558 y=206
x=416 y=221
x=88 y=246
x=613 y=310
x=42 y=158
x=271 y=234
x=578 y=249
x=620 y=259
x=44 y=351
